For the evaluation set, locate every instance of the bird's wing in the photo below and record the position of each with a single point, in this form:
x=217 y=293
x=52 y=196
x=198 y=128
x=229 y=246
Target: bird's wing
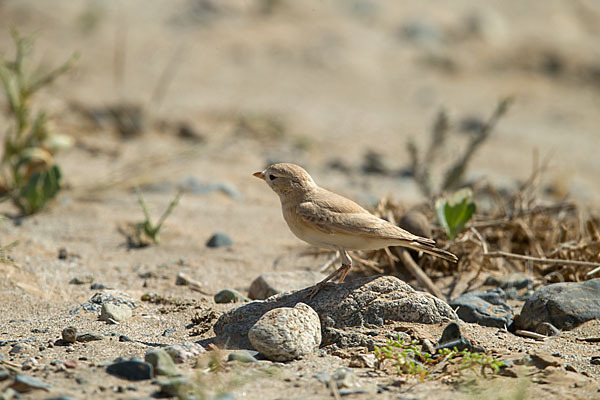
x=332 y=213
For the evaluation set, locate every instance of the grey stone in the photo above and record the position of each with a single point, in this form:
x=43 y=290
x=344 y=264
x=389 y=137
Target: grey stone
x=192 y=185
x=453 y=338
x=94 y=304
x=564 y=305
x=116 y=312
x=515 y=280
x=241 y=356
x=182 y=352
x=487 y=308
x=416 y=223
x=547 y=329
x=219 y=239
x=354 y=303
x=133 y=370
x=89 y=337
x=285 y=333
x=82 y=280
x=4 y=374
x=19 y=348
x=230 y=296
x=161 y=362
x=275 y=282
x=24 y=384
x=69 y=334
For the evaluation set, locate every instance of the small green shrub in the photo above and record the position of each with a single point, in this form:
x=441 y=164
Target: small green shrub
x=455 y=211
x=146 y=229
x=410 y=360
x=30 y=175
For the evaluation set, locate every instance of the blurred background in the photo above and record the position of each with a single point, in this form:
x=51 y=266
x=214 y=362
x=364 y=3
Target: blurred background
x=337 y=86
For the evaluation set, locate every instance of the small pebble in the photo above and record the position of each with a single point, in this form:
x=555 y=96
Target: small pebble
x=241 y=356
x=230 y=296
x=595 y=360
x=69 y=334
x=124 y=338
x=219 y=239
x=72 y=364
x=97 y=286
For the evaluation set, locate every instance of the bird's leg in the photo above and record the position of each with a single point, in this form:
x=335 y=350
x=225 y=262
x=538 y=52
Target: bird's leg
x=346 y=265
x=343 y=270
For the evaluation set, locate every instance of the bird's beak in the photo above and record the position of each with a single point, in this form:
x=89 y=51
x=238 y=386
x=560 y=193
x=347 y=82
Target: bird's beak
x=259 y=175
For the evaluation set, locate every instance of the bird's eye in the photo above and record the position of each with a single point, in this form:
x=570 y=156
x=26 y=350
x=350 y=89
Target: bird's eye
x=272 y=177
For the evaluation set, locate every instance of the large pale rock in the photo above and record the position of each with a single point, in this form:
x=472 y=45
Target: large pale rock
x=564 y=305
x=285 y=333
x=355 y=303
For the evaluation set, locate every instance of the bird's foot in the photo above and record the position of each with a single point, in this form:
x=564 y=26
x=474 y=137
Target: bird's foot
x=313 y=291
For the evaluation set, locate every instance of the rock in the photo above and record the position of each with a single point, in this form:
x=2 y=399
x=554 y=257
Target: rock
x=219 y=239
x=28 y=364
x=89 y=337
x=275 y=282
x=182 y=352
x=564 y=305
x=161 y=362
x=186 y=280
x=19 y=348
x=168 y=332
x=515 y=280
x=230 y=296
x=354 y=303
x=373 y=164
x=363 y=361
x=451 y=338
x=284 y=334
x=69 y=334
x=241 y=356
x=4 y=374
x=71 y=364
x=133 y=369
x=24 y=384
x=547 y=329
x=116 y=312
x=180 y=387
x=487 y=308
x=82 y=280
x=94 y=304
x=125 y=338
x=416 y=222
x=595 y=360
x=97 y=286
x=62 y=253
x=543 y=359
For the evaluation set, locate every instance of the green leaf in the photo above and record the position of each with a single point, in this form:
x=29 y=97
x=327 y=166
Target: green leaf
x=455 y=211
x=41 y=187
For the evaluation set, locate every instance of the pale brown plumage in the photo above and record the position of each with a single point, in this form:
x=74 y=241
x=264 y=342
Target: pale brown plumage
x=325 y=219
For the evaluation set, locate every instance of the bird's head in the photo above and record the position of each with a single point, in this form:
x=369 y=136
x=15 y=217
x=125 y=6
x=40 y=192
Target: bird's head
x=286 y=179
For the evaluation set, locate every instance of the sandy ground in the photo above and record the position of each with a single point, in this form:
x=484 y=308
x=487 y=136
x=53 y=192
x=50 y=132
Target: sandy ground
x=310 y=83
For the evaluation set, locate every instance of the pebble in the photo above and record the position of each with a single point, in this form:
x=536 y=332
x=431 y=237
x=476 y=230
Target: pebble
x=69 y=334
x=24 y=384
x=241 y=356
x=219 y=239
x=184 y=351
x=547 y=329
x=133 y=369
x=116 y=312
x=97 y=286
x=19 y=348
x=186 y=280
x=94 y=304
x=89 y=337
x=82 y=280
x=193 y=185
x=175 y=387
x=452 y=337
x=285 y=333
x=275 y=282
x=230 y=296
x=125 y=338
x=168 y=332
x=595 y=360
x=161 y=362
x=28 y=364
x=4 y=374
x=71 y=364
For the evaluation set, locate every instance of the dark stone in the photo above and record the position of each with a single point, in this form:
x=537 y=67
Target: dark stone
x=487 y=308
x=361 y=302
x=133 y=370
x=97 y=286
x=230 y=296
x=564 y=305
x=62 y=253
x=219 y=239
x=124 y=338
x=416 y=222
x=452 y=338
x=24 y=384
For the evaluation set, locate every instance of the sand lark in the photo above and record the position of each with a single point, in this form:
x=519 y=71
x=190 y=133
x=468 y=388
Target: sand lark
x=328 y=220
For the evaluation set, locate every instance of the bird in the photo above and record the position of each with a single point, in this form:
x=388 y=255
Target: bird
x=328 y=220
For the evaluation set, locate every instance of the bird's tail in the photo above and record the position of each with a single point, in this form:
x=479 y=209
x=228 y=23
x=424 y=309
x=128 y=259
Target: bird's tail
x=428 y=247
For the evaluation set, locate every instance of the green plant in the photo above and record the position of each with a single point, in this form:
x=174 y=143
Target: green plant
x=30 y=176
x=146 y=227
x=410 y=360
x=3 y=252
x=455 y=211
